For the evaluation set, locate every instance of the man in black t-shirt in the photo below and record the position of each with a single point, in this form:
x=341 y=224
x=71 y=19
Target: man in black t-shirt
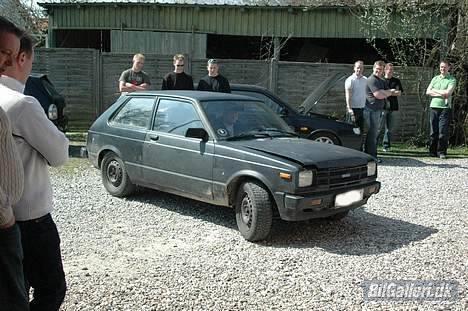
x=214 y=81
x=392 y=105
x=178 y=79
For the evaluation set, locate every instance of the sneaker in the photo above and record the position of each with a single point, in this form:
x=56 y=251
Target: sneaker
x=379 y=160
x=442 y=156
x=386 y=149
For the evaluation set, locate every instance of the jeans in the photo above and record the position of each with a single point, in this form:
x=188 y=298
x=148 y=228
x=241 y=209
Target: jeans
x=372 y=119
x=13 y=295
x=440 y=121
x=42 y=264
x=388 y=124
x=358 y=121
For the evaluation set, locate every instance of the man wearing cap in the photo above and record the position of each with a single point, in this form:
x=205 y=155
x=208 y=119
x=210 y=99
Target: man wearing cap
x=214 y=81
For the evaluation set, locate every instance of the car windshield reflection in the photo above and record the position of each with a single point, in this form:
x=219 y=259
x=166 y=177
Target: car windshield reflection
x=236 y=119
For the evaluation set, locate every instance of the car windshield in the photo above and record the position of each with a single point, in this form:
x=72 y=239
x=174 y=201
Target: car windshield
x=244 y=119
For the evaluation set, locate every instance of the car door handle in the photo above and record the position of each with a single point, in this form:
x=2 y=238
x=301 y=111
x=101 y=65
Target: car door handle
x=154 y=137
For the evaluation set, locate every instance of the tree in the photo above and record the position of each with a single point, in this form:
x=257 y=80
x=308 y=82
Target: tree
x=27 y=16
x=421 y=33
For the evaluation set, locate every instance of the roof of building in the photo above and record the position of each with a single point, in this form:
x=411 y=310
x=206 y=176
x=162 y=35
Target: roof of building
x=244 y=3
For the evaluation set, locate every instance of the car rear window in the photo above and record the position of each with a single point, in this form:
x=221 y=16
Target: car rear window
x=135 y=113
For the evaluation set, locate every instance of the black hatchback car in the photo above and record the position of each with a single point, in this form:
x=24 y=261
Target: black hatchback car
x=40 y=87
x=304 y=121
x=227 y=150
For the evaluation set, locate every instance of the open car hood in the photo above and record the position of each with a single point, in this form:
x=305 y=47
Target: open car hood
x=314 y=97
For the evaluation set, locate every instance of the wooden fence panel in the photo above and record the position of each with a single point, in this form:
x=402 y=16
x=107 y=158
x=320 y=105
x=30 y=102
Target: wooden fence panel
x=89 y=81
x=74 y=74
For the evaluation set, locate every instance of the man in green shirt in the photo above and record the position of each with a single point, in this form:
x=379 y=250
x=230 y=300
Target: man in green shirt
x=440 y=89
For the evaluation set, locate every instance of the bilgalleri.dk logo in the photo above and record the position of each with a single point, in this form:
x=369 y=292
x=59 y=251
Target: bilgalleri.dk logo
x=410 y=290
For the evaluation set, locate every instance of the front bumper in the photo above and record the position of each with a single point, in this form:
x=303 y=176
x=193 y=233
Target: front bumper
x=318 y=205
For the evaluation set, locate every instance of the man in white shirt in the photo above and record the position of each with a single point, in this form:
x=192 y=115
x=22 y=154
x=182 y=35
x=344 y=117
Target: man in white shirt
x=40 y=145
x=12 y=289
x=355 y=92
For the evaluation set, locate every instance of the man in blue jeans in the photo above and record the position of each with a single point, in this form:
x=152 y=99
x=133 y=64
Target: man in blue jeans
x=391 y=107
x=12 y=288
x=440 y=89
x=377 y=91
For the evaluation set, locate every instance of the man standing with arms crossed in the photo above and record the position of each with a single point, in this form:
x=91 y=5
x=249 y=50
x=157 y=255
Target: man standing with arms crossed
x=440 y=89
x=12 y=289
x=135 y=79
x=355 y=92
x=40 y=145
x=377 y=91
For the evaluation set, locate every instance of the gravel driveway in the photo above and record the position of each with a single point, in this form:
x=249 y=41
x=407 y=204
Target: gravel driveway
x=155 y=251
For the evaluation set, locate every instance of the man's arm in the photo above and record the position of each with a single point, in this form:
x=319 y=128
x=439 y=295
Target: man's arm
x=41 y=133
x=226 y=87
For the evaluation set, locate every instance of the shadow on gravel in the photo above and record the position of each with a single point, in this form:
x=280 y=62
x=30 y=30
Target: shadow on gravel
x=412 y=162
x=360 y=233
x=218 y=215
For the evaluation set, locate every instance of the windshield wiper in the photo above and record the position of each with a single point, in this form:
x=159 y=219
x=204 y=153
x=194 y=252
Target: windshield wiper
x=249 y=134
x=274 y=129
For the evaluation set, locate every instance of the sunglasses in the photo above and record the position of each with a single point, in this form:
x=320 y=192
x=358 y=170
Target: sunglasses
x=180 y=65
x=212 y=61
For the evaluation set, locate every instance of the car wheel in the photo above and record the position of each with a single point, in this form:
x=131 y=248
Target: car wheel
x=338 y=216
x=254 y=213
x=326 y=138
x=114 y=176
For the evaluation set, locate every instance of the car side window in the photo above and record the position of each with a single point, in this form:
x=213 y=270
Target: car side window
x=267 y=100
x=176 y=117
x=136 y=113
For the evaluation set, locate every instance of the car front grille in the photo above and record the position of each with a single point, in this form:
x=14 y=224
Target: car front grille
x=337 y=178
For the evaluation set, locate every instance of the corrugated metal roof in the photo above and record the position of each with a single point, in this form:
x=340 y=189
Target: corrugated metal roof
x=246 y=3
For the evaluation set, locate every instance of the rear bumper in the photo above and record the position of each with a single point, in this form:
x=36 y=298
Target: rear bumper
x=296 y=207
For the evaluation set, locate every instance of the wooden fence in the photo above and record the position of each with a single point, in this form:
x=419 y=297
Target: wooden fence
x=89 y=81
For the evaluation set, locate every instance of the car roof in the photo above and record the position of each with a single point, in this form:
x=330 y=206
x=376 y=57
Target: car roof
x=198 y=95
x=240 y=87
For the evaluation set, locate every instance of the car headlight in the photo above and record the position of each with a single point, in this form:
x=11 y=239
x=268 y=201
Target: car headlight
x=371 y=168
x=306 y=178
x=52 y=112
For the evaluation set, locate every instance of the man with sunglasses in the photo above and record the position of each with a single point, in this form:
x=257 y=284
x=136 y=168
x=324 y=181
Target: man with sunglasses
x=214 y=81
x=178 y=79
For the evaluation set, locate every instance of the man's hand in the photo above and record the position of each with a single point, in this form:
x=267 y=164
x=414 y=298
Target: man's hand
x=351 y=113
x=8 y=224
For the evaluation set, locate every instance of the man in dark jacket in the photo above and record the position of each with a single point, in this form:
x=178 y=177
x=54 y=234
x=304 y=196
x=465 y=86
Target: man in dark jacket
x=178 y=79
x=214 y=81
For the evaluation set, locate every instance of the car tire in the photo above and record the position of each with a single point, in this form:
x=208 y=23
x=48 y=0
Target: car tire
x=326 y=138
x=254 y=213
x=115 y=177
x=338 y=216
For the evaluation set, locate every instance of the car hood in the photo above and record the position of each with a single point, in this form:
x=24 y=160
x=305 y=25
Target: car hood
x=314 y=97
x=307 y=152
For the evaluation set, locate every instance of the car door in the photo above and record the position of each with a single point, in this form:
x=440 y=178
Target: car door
x=174 y=162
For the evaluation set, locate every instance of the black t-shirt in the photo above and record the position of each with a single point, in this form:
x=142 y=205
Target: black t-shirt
x=393 y=83
x=177 y=81
x=374 y=83
x=214 y=84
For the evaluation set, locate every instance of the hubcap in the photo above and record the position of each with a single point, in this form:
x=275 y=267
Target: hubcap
x=114 y=173
x=325 y=140
x=246 y=210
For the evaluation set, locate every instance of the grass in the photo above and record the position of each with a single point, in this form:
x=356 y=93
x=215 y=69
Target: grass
x=406 y=150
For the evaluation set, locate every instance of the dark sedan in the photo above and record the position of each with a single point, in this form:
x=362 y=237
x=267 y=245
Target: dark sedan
x=53 y=103
x=305 y=122
x=227 y=150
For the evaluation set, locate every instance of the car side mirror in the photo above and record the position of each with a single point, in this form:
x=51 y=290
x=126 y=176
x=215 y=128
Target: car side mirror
x=200 y=133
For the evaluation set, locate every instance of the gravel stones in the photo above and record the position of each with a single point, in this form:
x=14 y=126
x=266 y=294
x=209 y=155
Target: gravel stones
x=155 y=251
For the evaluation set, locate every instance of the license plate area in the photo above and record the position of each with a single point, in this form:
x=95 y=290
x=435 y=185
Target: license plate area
x=349 y=198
